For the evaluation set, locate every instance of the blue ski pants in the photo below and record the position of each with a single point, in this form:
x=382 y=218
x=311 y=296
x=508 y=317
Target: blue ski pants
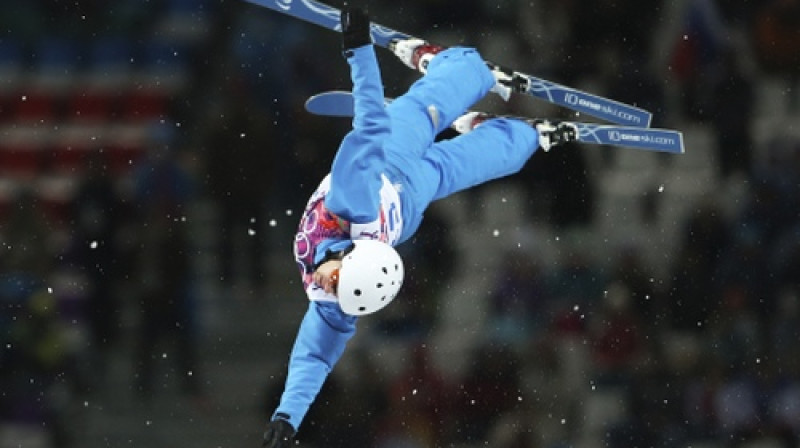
x=456 y=79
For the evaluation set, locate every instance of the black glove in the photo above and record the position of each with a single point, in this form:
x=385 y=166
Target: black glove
x=355 y=28
x=279 y=434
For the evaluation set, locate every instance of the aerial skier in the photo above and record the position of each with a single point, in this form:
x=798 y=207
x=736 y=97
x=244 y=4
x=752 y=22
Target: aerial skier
x=386 y=172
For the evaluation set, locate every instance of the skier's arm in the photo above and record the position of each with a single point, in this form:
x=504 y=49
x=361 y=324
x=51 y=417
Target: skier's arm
x=320 y=342
x=357 y=167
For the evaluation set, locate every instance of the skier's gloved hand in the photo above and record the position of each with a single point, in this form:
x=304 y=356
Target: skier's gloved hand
x=355 y=28
x=279 y=434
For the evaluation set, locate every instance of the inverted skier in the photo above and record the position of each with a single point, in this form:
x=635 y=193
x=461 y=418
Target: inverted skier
x=388 y=169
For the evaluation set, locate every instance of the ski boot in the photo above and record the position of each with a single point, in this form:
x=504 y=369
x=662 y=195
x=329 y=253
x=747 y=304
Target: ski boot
x=507 y=81
x=415 y=53
x=553 y=133
x=470 y=121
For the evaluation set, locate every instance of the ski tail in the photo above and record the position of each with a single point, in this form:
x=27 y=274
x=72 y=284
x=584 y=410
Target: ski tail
x=339 y=103
x=583 y=102
x=334 y=103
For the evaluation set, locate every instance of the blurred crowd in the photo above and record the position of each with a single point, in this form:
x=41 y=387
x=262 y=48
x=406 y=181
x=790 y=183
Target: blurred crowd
x=578 y=352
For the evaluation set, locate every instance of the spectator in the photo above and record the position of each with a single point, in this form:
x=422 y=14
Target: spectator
x=733 y=113
x=410 y=419
x=696 y=50
x=423 y=393
x=490 y=388
x=783 y=330
x=577 y=282
x=777 y=37
x=239 y=165
x=519 y=301
x=97 y=214
x=736 y=406
x=736 y=334
x=784 y=406
x=690 y=288
x=26 y=237
x=631 y=271
x=164 y=190
x=42 y=374
x=616 y=336
x=698 y=398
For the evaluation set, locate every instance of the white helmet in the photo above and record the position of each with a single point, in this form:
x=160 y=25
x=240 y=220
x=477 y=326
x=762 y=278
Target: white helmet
x=370 y=277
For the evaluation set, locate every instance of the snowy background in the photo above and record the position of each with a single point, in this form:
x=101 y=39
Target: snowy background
x=155 y=156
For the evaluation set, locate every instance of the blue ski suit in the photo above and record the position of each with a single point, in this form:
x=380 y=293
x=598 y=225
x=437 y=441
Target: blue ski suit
x=387 y=170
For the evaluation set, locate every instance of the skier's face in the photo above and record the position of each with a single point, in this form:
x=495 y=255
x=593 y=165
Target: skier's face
x=327 y=275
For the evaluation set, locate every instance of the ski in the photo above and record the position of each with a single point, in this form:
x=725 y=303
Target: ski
x=339 y=103
x=577 y=100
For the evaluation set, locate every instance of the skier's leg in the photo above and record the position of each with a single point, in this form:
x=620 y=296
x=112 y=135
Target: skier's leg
x=495 y=149
x=489 y=148
x=456 y=79
x=417 y=53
